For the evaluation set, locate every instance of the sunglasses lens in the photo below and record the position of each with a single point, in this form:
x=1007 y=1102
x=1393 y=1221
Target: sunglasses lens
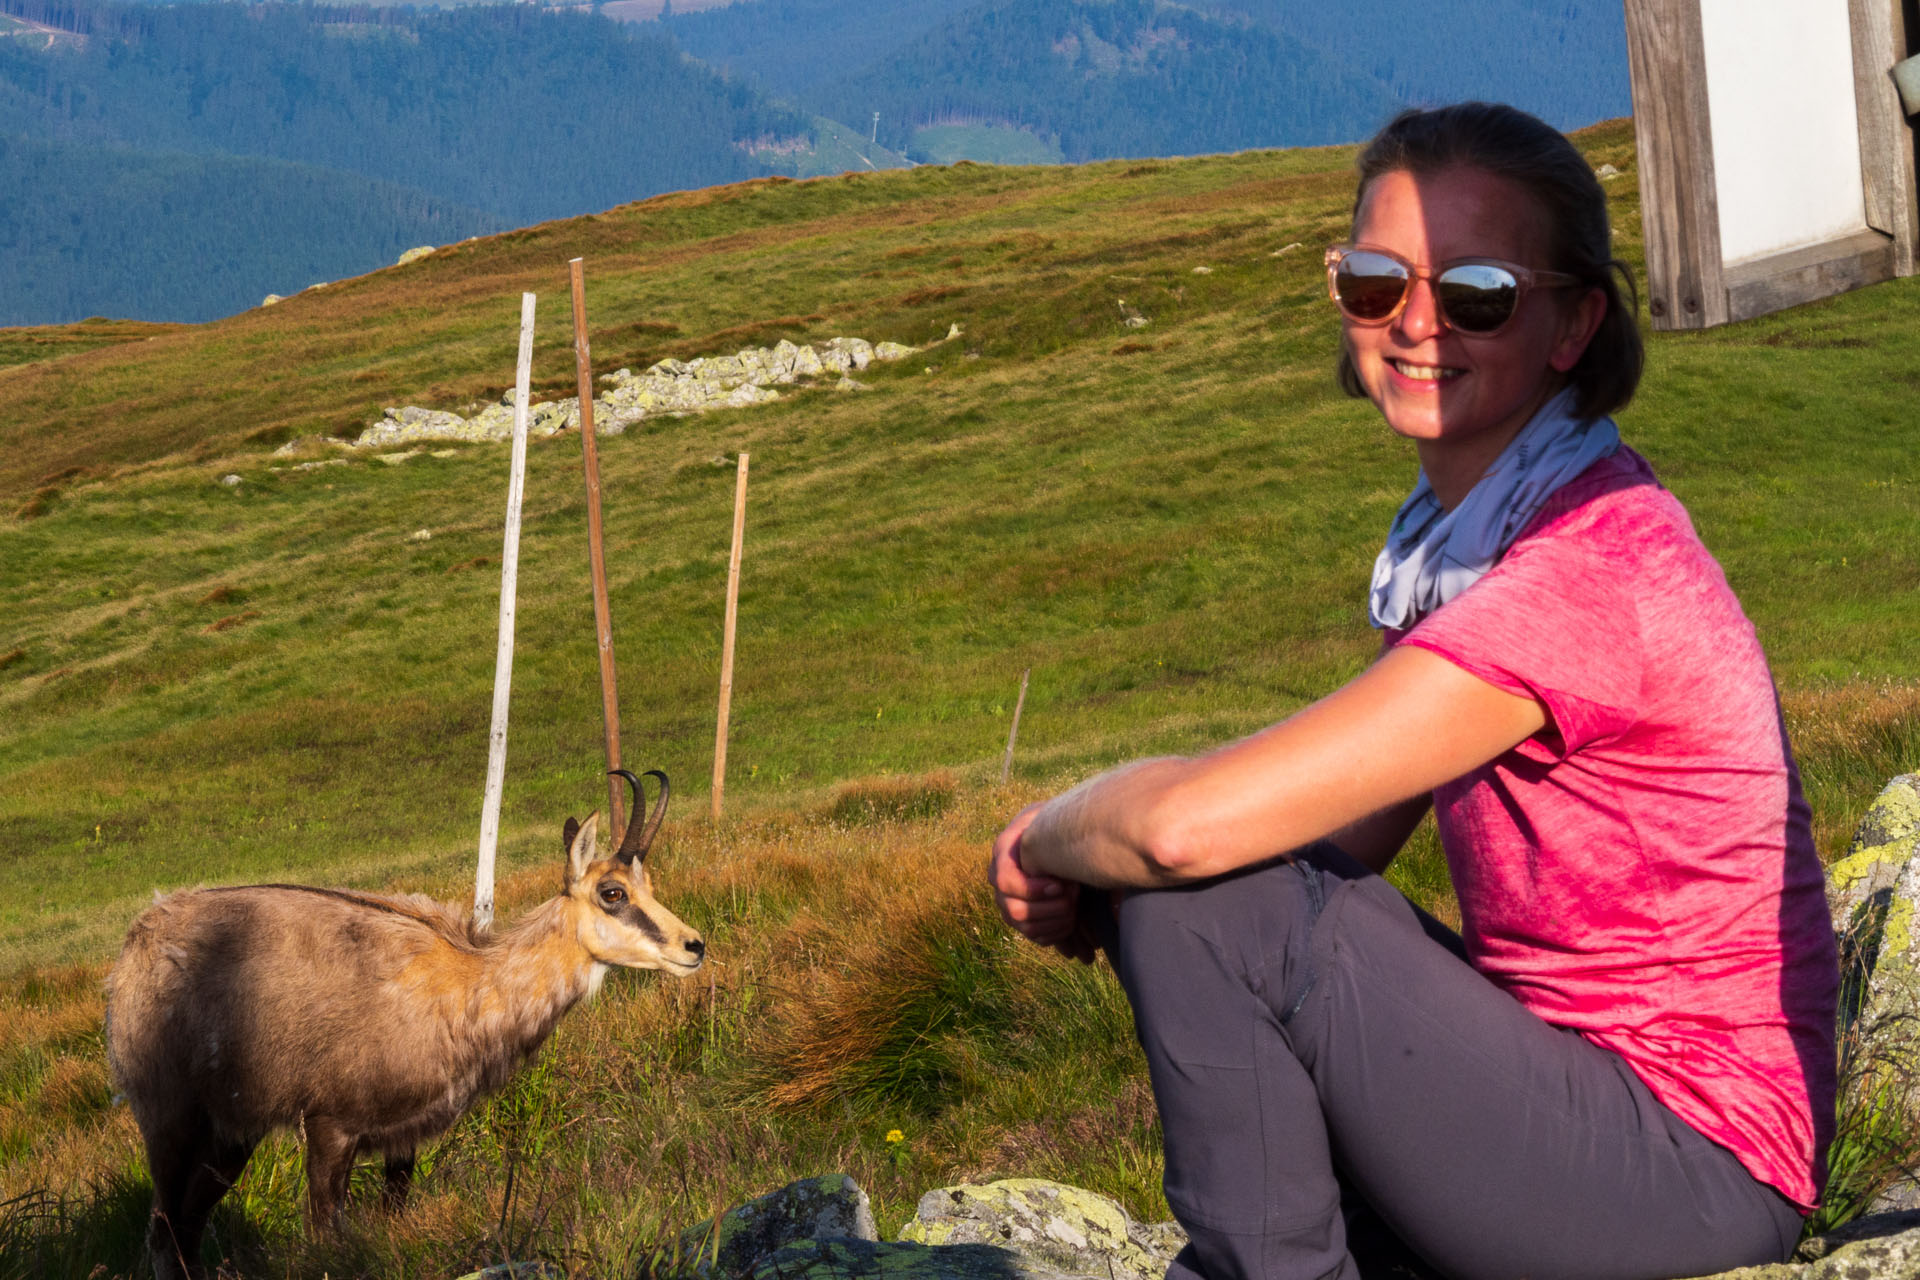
x=1369 y=285
x=1477 y=297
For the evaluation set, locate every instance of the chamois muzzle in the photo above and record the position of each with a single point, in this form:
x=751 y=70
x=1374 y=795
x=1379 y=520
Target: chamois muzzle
x=637 y=839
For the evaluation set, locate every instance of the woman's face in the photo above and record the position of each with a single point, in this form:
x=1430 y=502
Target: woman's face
x=1433 y=383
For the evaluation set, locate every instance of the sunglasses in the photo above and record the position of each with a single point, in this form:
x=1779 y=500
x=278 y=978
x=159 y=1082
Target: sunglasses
x=1474 y=296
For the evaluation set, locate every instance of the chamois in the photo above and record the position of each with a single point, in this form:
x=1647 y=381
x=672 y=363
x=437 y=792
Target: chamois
x=370 y=1022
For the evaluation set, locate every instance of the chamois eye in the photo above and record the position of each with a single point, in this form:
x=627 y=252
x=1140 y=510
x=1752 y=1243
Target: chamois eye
x=612 y=894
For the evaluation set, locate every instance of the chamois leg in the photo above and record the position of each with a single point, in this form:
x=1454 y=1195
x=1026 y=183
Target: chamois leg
x=175 y=1250
x=190 y=1175
x=330 y=1152
x=393 y=1197
x=211 y=1178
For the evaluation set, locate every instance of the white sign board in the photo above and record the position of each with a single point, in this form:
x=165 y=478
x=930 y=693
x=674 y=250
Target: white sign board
x=1776 y=166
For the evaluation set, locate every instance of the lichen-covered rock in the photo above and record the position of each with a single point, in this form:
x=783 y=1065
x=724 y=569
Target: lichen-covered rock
x=414 y=254
x=1872 y=893
x=871 y=1260
x=1883 y=845
x=828 y=1208
x=518 y=1271
x=1064 y=1228
x=1883 y=1247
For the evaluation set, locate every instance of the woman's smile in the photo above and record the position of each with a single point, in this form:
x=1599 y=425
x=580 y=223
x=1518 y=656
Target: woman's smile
x=1462 y=397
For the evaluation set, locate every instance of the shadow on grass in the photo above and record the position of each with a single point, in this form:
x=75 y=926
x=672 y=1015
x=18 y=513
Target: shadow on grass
x=99 y=1233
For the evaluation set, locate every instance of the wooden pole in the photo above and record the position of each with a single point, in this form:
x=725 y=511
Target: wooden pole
x=503 y=656
x=1006 y=761
x=726 y=643
x=596 y=548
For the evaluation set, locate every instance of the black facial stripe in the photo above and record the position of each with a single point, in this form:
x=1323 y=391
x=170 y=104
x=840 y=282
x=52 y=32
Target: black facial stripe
x=633 y=917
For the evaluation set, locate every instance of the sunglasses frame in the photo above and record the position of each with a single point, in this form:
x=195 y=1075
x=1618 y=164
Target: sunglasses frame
x=1525 y=278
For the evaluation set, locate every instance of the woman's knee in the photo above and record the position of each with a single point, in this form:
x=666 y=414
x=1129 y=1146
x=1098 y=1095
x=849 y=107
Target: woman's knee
x=1248 y=931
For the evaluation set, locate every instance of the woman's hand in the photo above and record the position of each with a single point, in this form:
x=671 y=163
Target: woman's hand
x=1043 y=909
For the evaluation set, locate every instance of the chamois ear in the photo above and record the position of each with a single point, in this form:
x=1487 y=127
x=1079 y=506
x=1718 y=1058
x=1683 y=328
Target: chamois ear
x=581 y=840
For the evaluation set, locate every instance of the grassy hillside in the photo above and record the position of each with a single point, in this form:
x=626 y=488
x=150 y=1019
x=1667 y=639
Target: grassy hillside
x=1170 y=525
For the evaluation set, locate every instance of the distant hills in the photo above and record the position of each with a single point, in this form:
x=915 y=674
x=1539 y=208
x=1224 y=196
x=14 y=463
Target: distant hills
x=1131 y=77
x=1111 y=79
x=289 y=142
x=91 y=229
x=476 y=119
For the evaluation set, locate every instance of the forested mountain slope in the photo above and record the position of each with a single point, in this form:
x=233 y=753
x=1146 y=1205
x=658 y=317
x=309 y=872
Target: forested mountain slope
x=526 y=113
x=487 y=117
x=1562 y=59
x=1117 y=78
x=797 y=46
x=89 y=229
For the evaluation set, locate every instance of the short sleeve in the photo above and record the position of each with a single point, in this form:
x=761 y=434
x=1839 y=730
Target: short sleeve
x=1556 y=620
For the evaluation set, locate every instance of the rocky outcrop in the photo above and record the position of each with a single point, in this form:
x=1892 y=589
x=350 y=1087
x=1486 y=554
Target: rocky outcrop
x=1029 y=1229
x=1872 y=893
x=672 y=388
x=1019 y=1229
x=1049 y=1225
x=832 y=1207
x=1883 y=1247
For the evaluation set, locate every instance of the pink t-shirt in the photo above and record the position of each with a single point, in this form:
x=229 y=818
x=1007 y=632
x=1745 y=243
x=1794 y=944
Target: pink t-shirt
x=1642 y=870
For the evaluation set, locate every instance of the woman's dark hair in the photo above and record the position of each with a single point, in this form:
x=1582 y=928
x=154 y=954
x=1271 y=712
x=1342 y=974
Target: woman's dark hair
x=1538 y=158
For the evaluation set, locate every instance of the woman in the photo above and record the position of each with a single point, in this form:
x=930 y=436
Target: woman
x=1624 y=1067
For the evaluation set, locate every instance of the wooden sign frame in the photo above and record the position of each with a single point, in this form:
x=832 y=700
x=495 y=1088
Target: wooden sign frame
x=1690 y=284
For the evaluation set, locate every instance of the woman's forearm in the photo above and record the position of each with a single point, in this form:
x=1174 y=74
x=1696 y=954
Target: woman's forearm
x=1408 y=724
x=1105 y=832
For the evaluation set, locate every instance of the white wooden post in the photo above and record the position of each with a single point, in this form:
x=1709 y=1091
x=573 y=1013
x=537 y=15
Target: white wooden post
x=503 y=657
x=726 y=642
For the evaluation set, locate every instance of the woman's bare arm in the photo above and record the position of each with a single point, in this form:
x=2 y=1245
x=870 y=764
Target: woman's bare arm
x=1409 y=723
x=1375 y=840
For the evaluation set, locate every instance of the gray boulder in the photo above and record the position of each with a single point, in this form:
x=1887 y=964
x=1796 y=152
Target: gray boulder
x=859 y=1259
x=1050 y=1225
x=814 y=1210
x=1020 y=1229
x=1872 y=892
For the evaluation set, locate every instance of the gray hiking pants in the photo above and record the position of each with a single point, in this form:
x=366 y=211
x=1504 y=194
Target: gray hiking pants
x=1343 y=1096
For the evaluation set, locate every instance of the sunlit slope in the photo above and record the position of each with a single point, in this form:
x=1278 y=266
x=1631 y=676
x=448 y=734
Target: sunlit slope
x=1170 y=524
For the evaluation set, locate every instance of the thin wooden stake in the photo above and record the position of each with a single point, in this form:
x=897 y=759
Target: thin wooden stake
x=503 y=656
x=726 y=643
x=1006 y=761
x=596 y=547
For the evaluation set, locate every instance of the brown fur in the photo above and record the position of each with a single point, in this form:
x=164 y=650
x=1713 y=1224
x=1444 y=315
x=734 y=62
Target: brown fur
x=371 y=1022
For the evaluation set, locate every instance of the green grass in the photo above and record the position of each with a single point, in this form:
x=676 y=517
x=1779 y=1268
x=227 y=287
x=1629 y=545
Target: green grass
x=1171 y=526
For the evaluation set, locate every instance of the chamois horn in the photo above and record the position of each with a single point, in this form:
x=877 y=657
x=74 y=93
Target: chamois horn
x=633 y=848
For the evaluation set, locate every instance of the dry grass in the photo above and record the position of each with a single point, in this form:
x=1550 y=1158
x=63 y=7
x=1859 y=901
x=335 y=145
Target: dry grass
x=1849 y=738
x=859 y=982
